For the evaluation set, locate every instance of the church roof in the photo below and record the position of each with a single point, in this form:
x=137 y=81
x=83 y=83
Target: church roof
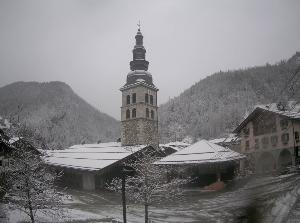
x=202 y=152
x=90 y=157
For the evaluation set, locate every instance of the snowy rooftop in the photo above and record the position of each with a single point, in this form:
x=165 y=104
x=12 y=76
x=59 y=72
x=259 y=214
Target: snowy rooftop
x=91 y=157
x=230 y=139
x=291 y=110
x=175 y=145
x=200 y=153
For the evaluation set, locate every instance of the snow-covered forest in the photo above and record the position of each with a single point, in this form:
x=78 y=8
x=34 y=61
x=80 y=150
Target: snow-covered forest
x=56 y=113
x=214 y=106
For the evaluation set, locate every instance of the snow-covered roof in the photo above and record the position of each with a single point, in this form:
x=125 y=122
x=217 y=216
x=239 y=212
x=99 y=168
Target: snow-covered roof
x=230 y=139
x=175 y=145
x=292 y=111
x=91 y=157
x=200 y=153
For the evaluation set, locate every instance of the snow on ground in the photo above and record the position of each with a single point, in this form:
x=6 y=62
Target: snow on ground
x=69 y=215
x=276 y=197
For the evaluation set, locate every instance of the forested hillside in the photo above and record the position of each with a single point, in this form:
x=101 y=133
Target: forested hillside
x=214 y=106
x=56 y=113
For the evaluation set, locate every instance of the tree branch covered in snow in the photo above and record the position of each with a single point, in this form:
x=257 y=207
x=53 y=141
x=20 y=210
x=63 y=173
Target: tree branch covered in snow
x=150 y=183
x=30 y=183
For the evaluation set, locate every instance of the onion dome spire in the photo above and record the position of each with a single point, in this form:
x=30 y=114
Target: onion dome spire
x=139 y=61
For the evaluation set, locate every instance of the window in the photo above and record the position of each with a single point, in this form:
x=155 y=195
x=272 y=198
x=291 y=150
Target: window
x=0 y=162
x=297 y=151
x=247 y=145
x=146 y=98
x=134 y=98
x=151 y=99
x=147 y=113
x=256 y=144
x=264 y=124
x=274 y=140
x=152 y=114
x=127 y=114
x=297 y=137
x=128 y=99
x=284 y=124
x=246 y=132
x=285 y=138
x=265 y=142
x=133 y=113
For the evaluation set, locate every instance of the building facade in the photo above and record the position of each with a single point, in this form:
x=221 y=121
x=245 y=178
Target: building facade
x=270 y=137
x=139 y=119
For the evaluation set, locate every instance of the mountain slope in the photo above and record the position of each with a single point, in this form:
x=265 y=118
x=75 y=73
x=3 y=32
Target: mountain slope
x=57 y=113
x=215 y=105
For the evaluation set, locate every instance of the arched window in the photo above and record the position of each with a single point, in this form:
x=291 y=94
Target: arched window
x=134 y=98
x=146 y=98
x=133 y=113
x=151 y=99
x=128 y=99
x=127 y=114
x=152 y=114
x=147 y=113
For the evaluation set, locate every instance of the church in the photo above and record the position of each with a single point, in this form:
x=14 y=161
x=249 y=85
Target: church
x=90 y=166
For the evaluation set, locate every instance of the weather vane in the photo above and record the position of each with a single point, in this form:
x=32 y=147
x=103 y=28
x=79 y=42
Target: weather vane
x=139 y=25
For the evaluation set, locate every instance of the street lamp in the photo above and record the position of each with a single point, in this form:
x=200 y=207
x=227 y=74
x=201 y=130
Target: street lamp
x=125 y=171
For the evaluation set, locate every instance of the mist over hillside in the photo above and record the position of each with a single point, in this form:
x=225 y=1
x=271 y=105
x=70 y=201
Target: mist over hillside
x=214 y=106
x=56 y=113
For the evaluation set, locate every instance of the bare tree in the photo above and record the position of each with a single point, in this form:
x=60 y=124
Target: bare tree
x=150 y=183
x=31 y=184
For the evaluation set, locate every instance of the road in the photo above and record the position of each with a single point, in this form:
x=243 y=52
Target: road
x=264 y=198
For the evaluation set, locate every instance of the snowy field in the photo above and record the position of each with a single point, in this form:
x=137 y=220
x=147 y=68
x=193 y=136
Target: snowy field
x=276 y=197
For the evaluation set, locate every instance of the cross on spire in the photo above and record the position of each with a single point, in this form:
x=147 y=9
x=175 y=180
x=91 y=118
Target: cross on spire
x=139 y=25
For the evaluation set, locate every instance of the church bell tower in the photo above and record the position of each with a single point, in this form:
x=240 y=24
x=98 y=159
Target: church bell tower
x=139 y=119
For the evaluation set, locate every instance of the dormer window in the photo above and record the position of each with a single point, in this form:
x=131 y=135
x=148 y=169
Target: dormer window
x=128 y=99
x=134 y=98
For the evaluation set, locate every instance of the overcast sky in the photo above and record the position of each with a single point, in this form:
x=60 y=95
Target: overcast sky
x=88 y=43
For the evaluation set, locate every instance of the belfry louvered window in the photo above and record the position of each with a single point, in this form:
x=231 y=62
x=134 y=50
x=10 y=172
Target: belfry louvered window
x=133 y=113
x=127 y=114
x=128 y=99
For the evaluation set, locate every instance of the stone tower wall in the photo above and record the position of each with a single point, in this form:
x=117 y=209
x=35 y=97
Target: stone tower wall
x=139 y=130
